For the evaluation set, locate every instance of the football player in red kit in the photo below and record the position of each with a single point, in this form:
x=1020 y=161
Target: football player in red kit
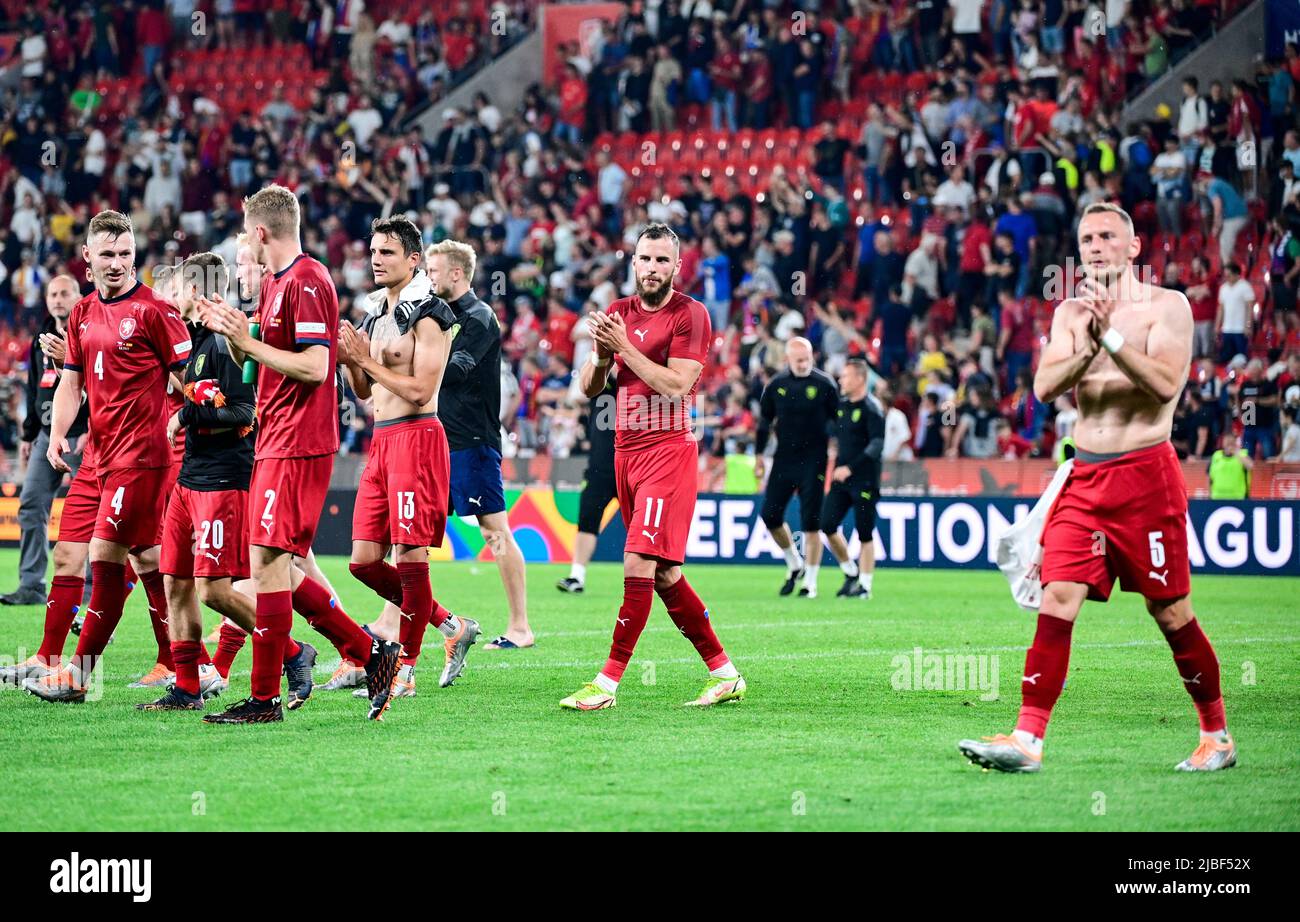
x=123 y=341
x=298 y=436
x=660 y=340
x=205 y=539
x=1124 y=346
x=397 y=360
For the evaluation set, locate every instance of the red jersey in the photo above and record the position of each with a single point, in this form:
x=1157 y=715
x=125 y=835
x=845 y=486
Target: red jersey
x=298 y=308
x=680 y=330
x=123 y=348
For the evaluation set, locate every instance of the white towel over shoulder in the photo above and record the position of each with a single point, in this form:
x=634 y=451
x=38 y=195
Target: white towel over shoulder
x=1020 y=553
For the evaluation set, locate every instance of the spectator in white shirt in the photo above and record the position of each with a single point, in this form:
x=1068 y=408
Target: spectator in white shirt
x=956 y=192
x=1236 y=298
x=1193 y=118
x=26 y=223
x=162 y=189
x=33 y=53
x=898 y=434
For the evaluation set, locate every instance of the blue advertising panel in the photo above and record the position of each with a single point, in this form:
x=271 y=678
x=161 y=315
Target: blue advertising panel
x=1254 y=537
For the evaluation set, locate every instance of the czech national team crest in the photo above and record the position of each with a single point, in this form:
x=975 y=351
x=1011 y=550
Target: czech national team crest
x=275 y=307
x=126 y=327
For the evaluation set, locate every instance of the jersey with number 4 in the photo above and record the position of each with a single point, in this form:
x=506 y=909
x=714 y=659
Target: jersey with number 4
x=124 y=348
x=298 y=309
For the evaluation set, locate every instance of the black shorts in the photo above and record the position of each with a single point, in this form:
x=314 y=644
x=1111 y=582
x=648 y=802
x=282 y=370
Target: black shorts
x=806 y=478
x=861 y=497
x=597 y=491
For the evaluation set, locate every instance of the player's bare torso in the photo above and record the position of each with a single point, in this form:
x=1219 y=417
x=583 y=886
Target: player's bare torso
x=396 y=352
x=1114 y=413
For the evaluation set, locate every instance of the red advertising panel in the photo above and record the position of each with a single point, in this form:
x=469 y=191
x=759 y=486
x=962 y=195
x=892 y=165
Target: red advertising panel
x=565 y=23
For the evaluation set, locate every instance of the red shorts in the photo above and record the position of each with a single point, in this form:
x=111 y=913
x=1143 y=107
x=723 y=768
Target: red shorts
x=656 y=495
x=206 y=534
x=1123 y=518
x=169 y=487
x=80 y=507
x=285 y=499
x=129 y=506
x=402 y=498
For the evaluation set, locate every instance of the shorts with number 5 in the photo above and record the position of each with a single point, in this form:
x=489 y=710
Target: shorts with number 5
x=205 y=534
x=285 y=498
x=131 y=504
x=1125 y=518
x=402 y=498
x=656 y=495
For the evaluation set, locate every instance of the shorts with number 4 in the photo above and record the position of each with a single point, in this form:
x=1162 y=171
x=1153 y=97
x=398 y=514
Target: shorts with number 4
x=402 y=498
x=1124 y=518
x=80 y=507
x=656 y=495
x=131 y=505
x=285 y=498
x=205 y=534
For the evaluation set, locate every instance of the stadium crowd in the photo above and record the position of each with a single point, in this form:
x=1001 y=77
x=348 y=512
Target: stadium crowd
x=898 y=180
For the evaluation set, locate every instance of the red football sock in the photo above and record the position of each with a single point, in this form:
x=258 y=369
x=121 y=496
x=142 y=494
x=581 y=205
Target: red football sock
x=204 y=659
x=323 y=612
x=103 y=613
x=60 y=609
x=638 y=593
x=158 y=616
x=690 y=615
x=291 y=649
x=274 y=618
x=130 y=577
x=381 y=576
x=228 y=647
x=1199 y=668
x=417 y=608
x=1046 y=664
x=185 y=654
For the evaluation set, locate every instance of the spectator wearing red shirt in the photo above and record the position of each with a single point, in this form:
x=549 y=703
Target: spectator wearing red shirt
x=1016 y=341
x=1202 y=293
x=153 y=32
x=976 y=250
x=758 y=88
x=458 y=47
x=726 y=72
x=573 y=106
x=524 y=332
x=557 y=337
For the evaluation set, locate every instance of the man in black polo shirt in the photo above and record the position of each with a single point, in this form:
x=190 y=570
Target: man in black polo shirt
x=41 y=480
x=598 y=487
x=801 y=403
x=469 y=404
x=860 y=442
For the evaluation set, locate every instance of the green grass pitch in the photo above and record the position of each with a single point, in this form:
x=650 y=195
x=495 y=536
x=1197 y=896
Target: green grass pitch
x=825 y=740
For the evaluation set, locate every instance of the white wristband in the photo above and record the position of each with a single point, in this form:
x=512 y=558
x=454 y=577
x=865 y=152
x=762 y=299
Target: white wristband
x=596 y=360
x=1112 y=341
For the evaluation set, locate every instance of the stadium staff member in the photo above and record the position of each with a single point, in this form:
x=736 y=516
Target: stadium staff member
x=469 y=402
x=598 y=487
x=42 y=479
x=1230 y=469
x=801 y=401
x=860 y=441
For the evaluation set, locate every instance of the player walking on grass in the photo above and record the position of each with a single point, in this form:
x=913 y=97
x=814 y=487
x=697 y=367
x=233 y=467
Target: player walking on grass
x=397 y=360
x=122 y=342
x=205 y=539
x=1125 y=345
x=660 y=340
x=298 y=435
x=855 y=480
x=801 y=402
